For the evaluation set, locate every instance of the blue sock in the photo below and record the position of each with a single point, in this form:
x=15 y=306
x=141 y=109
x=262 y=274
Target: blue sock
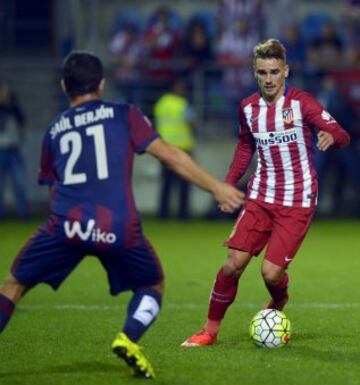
x=142 y=310
x=6 y=309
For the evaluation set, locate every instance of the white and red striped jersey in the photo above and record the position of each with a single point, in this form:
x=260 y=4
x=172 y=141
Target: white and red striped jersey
x=283 y=136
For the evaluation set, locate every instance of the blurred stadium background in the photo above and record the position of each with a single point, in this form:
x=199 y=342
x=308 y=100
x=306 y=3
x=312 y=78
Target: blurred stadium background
x=322 y=38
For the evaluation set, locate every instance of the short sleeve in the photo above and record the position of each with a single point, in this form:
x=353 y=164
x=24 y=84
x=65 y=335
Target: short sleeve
x=47 y=173
x=142 y=132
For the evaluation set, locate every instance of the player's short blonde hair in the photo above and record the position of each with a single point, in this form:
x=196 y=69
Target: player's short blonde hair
x=270 y=49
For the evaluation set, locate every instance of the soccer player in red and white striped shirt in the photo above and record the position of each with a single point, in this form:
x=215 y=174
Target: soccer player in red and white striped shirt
x=281 y=125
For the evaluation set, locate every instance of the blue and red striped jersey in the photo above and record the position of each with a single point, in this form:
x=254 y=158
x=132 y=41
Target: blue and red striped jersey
x=87 y=158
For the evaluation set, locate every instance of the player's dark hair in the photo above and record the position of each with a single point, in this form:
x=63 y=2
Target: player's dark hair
x=82 y=73
x=270 y=49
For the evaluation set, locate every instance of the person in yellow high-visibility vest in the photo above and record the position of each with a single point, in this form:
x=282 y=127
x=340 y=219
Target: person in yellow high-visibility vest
x=173 y=119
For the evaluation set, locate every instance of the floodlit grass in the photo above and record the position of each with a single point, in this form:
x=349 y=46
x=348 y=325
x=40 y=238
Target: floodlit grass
x=65 y=338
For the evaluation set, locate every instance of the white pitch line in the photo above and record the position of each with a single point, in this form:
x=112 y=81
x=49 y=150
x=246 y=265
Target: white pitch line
x=306 y=306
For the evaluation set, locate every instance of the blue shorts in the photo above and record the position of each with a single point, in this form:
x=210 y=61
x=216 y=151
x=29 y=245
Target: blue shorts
x=46 y=258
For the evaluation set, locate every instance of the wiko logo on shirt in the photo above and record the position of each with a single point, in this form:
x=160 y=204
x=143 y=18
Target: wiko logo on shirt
x=92 y=233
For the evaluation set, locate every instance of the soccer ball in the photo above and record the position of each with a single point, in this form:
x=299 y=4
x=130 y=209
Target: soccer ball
x=270 y=328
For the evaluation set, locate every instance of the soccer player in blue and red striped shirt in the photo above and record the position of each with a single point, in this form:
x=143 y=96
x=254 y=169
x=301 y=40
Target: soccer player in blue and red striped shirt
x=87 y=159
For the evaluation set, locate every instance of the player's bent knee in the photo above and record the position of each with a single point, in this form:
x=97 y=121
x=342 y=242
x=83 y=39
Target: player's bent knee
x=236 y=262
x=272 y=277
x=273 y=281
x=272 y=274
x=232 y=267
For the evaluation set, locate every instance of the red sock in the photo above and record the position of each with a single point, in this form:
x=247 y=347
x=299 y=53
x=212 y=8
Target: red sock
x=222 y=296
x=279 y=291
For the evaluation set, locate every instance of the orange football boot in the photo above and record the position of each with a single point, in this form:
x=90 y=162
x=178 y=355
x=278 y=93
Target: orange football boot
x=201 y=338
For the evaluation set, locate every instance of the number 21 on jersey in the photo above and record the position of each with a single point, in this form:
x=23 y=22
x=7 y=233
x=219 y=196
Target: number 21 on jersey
x=71 y=143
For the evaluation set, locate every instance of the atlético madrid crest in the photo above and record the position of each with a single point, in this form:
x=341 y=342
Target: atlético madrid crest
x=288 y=115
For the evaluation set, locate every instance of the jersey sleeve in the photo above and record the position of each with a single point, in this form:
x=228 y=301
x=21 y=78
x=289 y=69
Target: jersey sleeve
x=243 y=153
x=318 y=117
x=47 y=172
x=142 y=132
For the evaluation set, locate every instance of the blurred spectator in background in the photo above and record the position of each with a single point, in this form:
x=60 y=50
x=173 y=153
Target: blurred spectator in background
x=197 y=49
x=343 y=164
x=351 y=31
x=280 y=12
x=126 y=49
x=162 y=43
x=234 y=54
x=174 y=121
x=230 y=11
x=326 y=51
x=12 y=123
x=239 y=22
x=295 y=53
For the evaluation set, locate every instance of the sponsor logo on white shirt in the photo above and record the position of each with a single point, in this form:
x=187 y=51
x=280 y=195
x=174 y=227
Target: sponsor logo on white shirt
x=275 y=137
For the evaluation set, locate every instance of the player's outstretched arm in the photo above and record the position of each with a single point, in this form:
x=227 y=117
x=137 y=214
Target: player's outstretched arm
x=228 y=197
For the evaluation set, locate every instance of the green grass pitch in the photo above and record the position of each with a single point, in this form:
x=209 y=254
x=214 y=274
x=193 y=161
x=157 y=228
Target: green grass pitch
x=65 y=337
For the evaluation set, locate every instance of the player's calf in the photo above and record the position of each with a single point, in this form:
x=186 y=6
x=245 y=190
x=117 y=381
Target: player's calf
x=278 y=291
x=277 y=305
x=142 y=311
